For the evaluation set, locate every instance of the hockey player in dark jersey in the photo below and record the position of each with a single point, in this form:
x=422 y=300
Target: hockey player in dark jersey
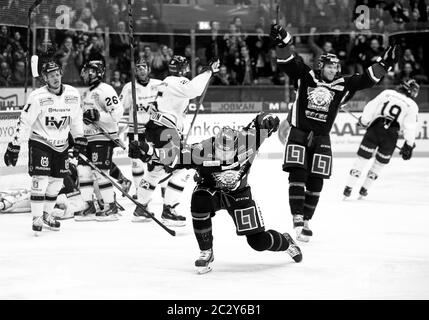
x=222 y=164
x=320 y=93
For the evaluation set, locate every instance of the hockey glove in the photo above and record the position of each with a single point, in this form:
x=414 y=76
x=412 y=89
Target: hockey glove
x=280 y=36
x=80 y=144
x=139 y=150
x=360 y=124
x=90 y=116
x=11 y=155
x=214 y=65
x=390 y=57
x=267 y=121
x=407 y=151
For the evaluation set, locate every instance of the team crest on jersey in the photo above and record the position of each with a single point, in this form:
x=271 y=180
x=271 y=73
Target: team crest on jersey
x=46 y=101
x=44 y=161
x=94 y=157
x=319 y=98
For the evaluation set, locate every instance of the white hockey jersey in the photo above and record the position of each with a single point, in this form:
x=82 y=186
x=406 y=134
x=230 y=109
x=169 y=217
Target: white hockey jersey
x=145 y=97
x=103 y=98
x=173 y=98
x=396 y=106
x=48 y=118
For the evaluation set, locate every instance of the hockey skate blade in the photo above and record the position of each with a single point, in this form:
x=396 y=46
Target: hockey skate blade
x=81 y=219
x=170 y=223
x=106 y=219
x=203 y=270
x=303 y=238
x=51 y=228
x=140 y=219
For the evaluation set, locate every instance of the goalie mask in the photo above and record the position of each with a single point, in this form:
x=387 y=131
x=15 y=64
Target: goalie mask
x=51 y=73
x=178 y=66
x=226 y=144
x=92 y=72
x=142 y=72
x=410 y=88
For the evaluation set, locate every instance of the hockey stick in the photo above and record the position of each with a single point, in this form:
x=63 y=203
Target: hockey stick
x=200 y=102
x=93 y=167
x=117 y=142
x=133 y=77
x=27 y=57
x=277 y=13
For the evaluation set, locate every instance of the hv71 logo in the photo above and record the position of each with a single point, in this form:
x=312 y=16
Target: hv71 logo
x=61 y=123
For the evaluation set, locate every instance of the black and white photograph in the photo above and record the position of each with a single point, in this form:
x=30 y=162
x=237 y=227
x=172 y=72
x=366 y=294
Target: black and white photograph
x=214 y=155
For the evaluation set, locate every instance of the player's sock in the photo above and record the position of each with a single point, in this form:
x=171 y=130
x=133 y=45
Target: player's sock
x=115 y=172
x=54 y=187
x=106 y=190
x=86 y=182
x=270 y=240
x=202 y=224
x=296 y=197
x=372 y=175
x=37 y=198
x=137 y=172
x=310 y=203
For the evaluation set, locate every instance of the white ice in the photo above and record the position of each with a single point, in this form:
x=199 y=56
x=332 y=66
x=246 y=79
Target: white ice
x=376 y=248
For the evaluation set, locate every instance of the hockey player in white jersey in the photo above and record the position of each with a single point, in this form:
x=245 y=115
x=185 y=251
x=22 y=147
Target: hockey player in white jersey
x=102 y=109
x=146 y=93
x=385 y=116
x=50 y=114
x=165 y=128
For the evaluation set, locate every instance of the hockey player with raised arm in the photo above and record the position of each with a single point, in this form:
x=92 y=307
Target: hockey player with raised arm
x=320 y=93
x=50 y=114
x=102 y=110
x=146 y=93
x=384 y=117
x=164 y=127
x=222 y=163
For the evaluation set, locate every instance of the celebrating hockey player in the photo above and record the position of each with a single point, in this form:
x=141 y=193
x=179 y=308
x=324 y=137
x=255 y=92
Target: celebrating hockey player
x=320 y=93
x=51 y=113
x=102 y=110
x=385 y=116
x=146 y=93
x=165 y=127
x=222 y=163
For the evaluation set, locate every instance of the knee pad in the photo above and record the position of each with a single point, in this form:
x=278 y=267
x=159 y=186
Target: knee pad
x=314 y=184
x=259 y=241
x=201 y=202
x=297 y=175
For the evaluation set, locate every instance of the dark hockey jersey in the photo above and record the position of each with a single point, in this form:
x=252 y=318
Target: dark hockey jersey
x=214 y=173
x=317 y=102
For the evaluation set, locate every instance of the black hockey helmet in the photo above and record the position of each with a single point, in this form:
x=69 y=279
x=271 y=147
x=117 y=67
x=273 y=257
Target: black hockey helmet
x=410 y=88
x=178 y=66
x=329 y=58
x=142 y=69
x=48 y=67
x=96 y=65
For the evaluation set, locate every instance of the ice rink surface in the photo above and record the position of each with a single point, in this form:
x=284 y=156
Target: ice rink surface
x=377 y=248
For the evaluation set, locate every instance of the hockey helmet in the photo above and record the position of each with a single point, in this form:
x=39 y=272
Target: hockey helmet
x=329 y=58
x=47 y=68
x=410 y=87
x=226 y=143
x=142 y=70
x=178 y=66
x=97 y=66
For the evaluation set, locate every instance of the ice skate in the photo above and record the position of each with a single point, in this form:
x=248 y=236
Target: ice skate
x=306 y=233
x=142 y=214
x=108 y=214
x=171 y=218
x=37 y=225
x=88 y=214
x=362 y=193
x=50 y=223
x=298 y=223
x=347 y=192
x=293 y=250
x=204 y=262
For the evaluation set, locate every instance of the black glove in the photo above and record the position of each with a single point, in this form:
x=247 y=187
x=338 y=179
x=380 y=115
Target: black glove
x=138 y=150
x=406 y=151
x=91 y=115
x=267 y=121
x=80 y=144
x=11 y=155
x=278 y=34
x=214 y=65
x=390 y=57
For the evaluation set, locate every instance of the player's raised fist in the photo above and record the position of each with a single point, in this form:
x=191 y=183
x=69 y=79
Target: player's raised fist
x=267 y=121
x=11 y=155
x=391 y=55
x=214 y=65
x=279 y=35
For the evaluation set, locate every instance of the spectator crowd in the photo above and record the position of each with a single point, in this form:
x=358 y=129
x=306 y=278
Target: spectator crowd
x=246 y=54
